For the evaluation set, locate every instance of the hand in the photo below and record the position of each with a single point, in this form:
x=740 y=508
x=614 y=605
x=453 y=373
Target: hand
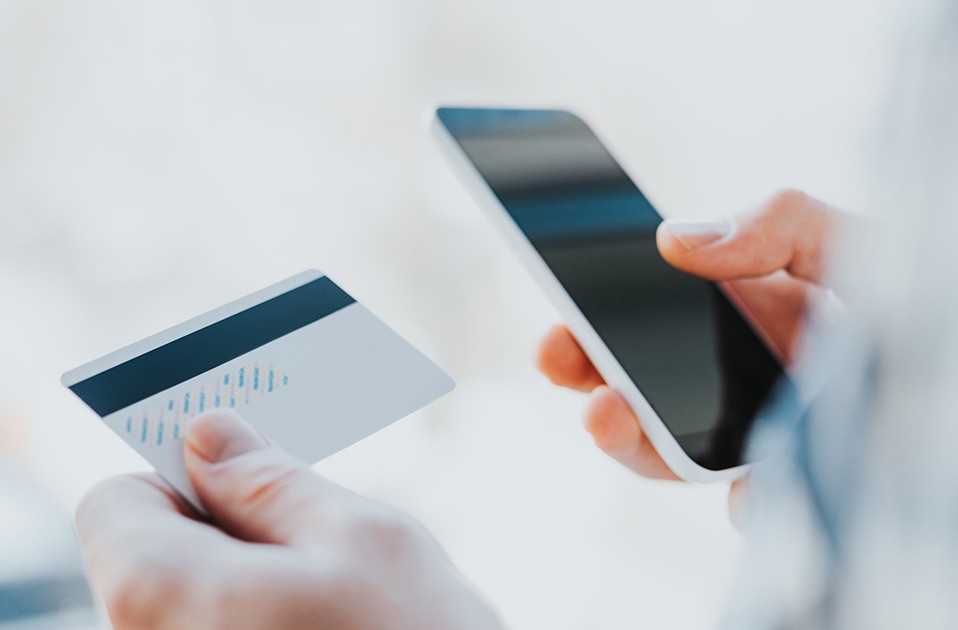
x=282 y=548
x=772 y=261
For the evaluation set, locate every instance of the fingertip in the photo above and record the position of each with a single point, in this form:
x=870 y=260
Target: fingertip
x=611 y=422
x=738 y=498
x=677 y=237
x=560 y=358
x=546 y=351
x=209 y=421
x=670 y=247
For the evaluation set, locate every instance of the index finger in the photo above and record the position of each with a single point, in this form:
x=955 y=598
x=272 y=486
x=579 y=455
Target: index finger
x=134 y=525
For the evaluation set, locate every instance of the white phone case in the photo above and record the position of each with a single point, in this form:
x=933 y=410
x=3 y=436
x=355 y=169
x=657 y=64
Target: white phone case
x=600 y=355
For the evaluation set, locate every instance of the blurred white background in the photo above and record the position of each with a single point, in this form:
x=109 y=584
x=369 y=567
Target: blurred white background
x=159 y=159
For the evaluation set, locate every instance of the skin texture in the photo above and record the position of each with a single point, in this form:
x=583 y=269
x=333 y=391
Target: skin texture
x=774 y=261
x=281 y=548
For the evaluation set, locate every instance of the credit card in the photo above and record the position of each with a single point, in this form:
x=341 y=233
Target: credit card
x=301 y=360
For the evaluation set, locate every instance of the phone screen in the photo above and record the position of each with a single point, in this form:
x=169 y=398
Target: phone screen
x=691 y=353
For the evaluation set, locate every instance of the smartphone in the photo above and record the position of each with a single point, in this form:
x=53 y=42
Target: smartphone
x=680 y=349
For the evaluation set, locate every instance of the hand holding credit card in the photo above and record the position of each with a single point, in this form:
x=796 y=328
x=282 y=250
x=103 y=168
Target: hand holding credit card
x=301 y=360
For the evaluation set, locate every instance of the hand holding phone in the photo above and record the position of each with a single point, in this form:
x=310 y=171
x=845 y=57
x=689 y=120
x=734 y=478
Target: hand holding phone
x=776 y=300
x=688 y=356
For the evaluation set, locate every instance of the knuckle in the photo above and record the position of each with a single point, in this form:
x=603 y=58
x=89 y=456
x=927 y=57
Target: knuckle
x=390 y=535
x=85 y=508
x=271 y=481
x=160 y=590
x=94 y=500
x=785 y=203
x=142 y=595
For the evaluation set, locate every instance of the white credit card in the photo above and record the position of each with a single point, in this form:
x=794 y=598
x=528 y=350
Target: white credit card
x=301 y=360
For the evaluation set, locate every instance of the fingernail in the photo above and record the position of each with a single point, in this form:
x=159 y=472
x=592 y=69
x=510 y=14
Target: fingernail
x=221 y=435
x=694 y=234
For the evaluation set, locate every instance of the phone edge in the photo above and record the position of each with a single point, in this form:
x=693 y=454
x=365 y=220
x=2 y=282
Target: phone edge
x=614 y=374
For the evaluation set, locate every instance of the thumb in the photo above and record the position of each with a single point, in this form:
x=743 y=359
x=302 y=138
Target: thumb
x=791 y=232
x=252 y=489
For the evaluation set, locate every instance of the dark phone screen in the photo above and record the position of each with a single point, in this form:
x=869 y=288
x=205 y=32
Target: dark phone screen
x=692 y=355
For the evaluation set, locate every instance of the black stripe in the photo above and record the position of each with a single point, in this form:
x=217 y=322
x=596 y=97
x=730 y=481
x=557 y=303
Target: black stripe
x=197 y=352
